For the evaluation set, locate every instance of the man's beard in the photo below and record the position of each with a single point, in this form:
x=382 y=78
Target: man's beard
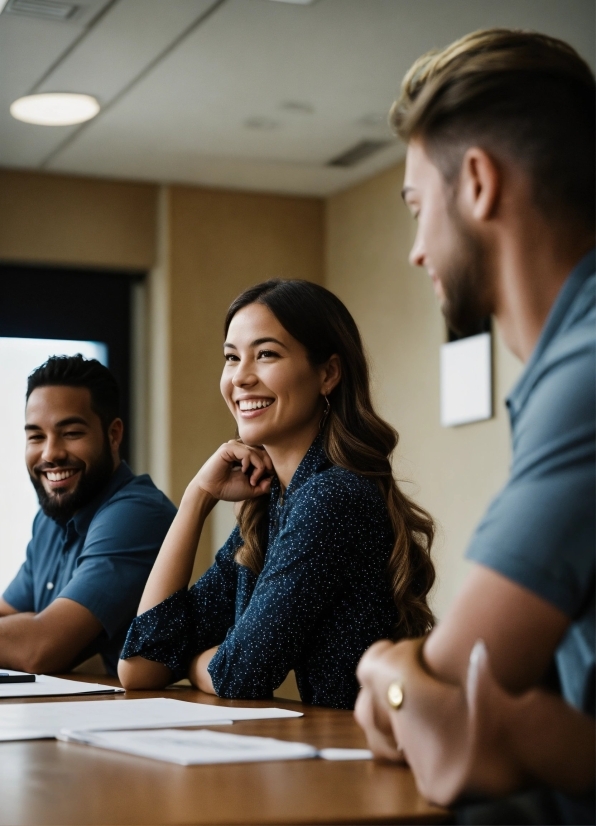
x=466 y=281
x=62 y=507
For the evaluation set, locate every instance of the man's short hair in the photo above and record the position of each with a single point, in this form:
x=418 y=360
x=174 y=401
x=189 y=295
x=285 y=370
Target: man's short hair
x=520 y=94
x=77 y=371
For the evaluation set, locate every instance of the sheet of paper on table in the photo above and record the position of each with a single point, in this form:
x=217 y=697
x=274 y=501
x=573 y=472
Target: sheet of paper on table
x=192 y=748
x=38 y=721
x=189 y=748
x=45 y=686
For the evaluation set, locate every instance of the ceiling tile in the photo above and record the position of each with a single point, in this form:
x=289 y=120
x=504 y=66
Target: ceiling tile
x=124 y=43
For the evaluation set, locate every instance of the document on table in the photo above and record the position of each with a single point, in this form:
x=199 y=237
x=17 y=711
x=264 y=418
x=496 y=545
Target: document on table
x=192 y=748
x=38 y=721
x=189 y=748
x=45 y=686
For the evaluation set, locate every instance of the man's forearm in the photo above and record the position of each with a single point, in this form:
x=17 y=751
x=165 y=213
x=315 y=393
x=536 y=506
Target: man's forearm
x=555 y=742
x=6 y=610
x=23 y=646
x=48 y=641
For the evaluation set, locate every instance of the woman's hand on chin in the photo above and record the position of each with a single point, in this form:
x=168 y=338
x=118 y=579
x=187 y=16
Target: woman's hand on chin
x=235 y=472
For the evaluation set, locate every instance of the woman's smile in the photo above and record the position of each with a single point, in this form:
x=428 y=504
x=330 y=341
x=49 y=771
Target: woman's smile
x=253 y=406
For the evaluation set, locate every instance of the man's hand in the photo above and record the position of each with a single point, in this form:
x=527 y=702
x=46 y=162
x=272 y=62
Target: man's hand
x=463 y=725
x=375 y=673
x=428 y=731
x=49 y=641
x=450 y=748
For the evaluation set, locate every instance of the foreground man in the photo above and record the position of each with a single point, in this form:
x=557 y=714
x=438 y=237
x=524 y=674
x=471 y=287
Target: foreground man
x=96 y=535
x=500 y=177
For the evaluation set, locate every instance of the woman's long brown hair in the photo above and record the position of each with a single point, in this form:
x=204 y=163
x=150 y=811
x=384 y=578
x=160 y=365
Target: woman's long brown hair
x=355 y=438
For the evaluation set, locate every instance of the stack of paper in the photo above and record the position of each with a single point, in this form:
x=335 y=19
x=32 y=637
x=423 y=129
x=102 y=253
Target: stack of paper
x=191 y=748
x=137 y=727
x=35 y=721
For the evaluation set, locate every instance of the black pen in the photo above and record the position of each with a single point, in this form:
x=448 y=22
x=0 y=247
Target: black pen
x=6 y=677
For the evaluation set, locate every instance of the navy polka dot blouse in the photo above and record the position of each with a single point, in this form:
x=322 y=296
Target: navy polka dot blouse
x=320 y=601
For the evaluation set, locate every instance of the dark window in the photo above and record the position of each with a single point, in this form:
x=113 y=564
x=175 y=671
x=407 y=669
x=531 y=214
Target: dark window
x=88 y=305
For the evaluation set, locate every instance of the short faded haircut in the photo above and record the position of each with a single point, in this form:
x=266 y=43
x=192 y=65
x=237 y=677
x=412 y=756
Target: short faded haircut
x=77 y=371
x=518 y=94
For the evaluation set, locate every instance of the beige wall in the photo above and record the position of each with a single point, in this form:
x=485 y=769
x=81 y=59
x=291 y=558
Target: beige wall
x=58 y=219
x=453 y=472
x=220 y=243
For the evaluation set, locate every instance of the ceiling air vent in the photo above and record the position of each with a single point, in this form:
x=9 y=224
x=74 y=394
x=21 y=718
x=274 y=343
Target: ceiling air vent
x=357 y=153
x=42 y=9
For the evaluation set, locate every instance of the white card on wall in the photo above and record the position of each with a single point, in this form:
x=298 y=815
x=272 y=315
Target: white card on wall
x=466 y=380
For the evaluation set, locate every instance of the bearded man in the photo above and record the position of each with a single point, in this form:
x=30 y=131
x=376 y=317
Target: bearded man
x=96 y=535
x=498 y=701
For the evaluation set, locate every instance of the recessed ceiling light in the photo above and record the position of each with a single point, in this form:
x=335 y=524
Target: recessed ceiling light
x=55 y=108
x=296 y=2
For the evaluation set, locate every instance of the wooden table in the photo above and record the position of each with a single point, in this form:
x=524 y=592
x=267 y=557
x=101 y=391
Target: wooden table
x=50 y=782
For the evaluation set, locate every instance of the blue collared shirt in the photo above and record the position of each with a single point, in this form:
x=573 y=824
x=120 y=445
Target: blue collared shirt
x=321 y=600
x=101 y=558
x=540 y=530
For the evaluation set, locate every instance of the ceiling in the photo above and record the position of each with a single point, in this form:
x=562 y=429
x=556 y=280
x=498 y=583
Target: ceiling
x=246 y=94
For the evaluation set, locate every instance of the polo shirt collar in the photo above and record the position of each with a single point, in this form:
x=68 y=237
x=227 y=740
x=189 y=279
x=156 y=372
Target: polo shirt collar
x=82 y=519
x=555 y=319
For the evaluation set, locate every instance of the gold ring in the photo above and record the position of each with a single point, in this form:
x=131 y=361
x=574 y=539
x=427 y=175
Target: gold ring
x=395 y=695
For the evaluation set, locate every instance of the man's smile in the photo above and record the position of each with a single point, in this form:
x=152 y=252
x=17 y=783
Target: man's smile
x=59 y=478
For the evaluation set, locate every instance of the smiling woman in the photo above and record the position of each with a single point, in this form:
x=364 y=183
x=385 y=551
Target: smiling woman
x=328 y=556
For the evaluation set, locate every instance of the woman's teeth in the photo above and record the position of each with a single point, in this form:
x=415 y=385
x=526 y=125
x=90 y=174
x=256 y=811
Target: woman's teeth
x=254 y=404
x=53 y=476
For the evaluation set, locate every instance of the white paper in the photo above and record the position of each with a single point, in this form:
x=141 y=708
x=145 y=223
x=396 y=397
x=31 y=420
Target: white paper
x=346 y=754
x=45 y=686
x=32 y=721
x=466 y=381
x=191 y=748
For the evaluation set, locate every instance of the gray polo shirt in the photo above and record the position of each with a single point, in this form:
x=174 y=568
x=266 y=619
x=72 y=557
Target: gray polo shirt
x=540 y=530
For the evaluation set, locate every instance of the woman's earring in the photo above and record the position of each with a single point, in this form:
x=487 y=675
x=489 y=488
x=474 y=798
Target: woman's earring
x=325 y=413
